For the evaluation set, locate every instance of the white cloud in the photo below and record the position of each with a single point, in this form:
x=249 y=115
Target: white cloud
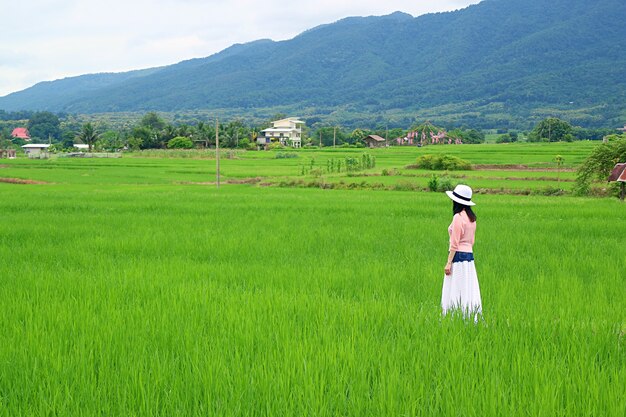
x=51 y=39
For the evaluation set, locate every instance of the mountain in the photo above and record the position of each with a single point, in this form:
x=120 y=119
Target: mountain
x=498 y=62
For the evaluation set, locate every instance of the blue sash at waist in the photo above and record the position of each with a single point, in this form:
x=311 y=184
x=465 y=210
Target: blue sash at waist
x=463 y=257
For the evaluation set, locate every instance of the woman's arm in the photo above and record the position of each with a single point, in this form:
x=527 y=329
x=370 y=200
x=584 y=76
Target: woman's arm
x=448 y=268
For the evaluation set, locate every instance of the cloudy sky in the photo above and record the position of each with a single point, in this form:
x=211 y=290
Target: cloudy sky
x=50 y=39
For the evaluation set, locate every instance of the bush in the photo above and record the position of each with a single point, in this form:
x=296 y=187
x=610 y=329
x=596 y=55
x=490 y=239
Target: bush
x=433 y=183
x=286 y=155
x=180 y=142
x=445 y=184
x=507 y=138
x=438 y=183
x=244 y=143
x=442 y=163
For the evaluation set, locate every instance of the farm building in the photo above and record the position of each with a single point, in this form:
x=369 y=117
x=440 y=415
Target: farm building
x=21 y=133
x=286 y=131
x=622 y=129
x=81 y=146
x=35 y=148
x=619 y=175
x=374 y=141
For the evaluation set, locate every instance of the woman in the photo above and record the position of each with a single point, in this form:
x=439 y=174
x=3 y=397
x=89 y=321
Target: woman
x=460 y=283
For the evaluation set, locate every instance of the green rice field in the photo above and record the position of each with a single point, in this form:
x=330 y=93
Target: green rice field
x=135 y=287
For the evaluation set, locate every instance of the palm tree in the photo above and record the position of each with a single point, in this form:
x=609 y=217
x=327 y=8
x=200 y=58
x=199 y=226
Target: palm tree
x=88 y=135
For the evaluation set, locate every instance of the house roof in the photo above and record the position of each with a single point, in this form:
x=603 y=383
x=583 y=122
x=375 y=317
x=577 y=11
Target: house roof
x=618 y=173
x=289 y=119
x=279 y=129
x=376 y=138
x=36 y=146
x=20 y=132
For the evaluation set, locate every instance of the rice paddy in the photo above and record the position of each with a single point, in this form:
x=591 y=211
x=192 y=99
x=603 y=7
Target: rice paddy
x=134 y=287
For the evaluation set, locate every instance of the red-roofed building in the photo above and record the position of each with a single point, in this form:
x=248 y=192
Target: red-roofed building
x=21 y=133
x=619 y=175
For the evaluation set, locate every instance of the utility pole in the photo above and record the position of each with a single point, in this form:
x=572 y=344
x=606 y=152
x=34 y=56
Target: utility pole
x=549 y=131
x=320 y=138
x=387 y=136
x=217 y=151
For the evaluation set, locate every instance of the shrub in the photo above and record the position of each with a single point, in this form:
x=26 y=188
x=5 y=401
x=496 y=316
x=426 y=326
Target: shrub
x=442 y=163
x=352 y=164
x=433 y=183
x=244 y=143
x=317 y=172
x=507 y=138
x=180 y=142
x=445 y=184
x=286 y=155
x=405 y=186
x=438 y=183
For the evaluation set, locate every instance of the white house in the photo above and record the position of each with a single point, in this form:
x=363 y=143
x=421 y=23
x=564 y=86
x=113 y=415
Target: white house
x=81 y=146
x=35 y=148
x=286 y=131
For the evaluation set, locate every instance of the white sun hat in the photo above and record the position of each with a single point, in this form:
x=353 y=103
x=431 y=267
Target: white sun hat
x=462 y=194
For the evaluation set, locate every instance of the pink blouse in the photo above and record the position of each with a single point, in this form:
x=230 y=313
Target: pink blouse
x=462 y=232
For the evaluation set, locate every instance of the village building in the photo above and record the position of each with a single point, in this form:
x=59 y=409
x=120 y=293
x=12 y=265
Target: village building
x=21 y=133
x=619 y=175
x=81 y=146
x=374 y=141
x=286 y=131
x=622 y=129
x=35 y=149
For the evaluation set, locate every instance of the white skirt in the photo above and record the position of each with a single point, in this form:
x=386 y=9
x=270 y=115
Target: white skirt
x=461 y=290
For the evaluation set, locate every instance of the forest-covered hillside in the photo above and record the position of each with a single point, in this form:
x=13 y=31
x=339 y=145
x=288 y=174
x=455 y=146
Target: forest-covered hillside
x=498 y=63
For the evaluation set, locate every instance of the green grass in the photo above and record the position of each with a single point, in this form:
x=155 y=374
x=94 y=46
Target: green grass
x=125 y=292
x=135 y=170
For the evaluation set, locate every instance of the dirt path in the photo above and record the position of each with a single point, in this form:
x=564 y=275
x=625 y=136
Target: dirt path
x=493 y=167
x=20 y=181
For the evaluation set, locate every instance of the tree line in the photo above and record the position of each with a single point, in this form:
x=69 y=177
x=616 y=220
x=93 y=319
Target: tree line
x=152 y=131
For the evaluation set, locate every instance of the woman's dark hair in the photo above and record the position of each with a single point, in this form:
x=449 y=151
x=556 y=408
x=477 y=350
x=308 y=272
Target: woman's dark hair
x=457 y=208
